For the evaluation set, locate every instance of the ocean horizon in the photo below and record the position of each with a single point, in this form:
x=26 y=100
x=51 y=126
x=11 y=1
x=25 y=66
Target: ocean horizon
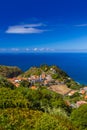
x=74 y=64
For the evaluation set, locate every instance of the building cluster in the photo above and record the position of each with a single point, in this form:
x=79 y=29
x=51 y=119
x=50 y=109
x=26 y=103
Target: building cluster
x=82 y=93
x=54 y=85
x=43 y=79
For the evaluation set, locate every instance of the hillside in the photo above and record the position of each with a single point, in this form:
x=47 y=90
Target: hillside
x=53 y=75
x=42 y=98
x=5 y=83
x=26 y=109
x=9 y=71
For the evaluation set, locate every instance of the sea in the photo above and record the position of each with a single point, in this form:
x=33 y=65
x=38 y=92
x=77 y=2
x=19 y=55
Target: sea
x=74 y=64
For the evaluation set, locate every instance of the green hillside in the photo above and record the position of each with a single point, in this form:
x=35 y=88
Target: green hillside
x=40 y=107
x=26 y=109
x=55 y=72
x=9 y=71
x=5 y=83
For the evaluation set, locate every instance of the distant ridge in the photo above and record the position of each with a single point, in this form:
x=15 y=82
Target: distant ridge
x=9 y=71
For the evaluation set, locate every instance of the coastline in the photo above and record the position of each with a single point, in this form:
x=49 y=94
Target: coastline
x=74 y=64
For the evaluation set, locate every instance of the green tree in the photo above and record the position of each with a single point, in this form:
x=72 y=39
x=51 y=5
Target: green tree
x=25 y=83
x=49 y=122
x=79 y=117
x=5 y=83
x=55 y=76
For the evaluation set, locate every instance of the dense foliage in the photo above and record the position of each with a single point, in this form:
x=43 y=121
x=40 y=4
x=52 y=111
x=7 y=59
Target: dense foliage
x=25 y=119
x=5 y=83
x=32 y=71
x=79 y=117
x=41 y=99
x=37 y=107
x=24 y=109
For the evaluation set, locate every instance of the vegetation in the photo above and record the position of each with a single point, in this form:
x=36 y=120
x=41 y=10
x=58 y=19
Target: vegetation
x=32 y=71
x=25 y=119
x=55 y=72
x=24 y=108
x=9 y=72
x=5 y=83
x=75 y=97
x=79 y=117
x=45 y=67
x=25 y=83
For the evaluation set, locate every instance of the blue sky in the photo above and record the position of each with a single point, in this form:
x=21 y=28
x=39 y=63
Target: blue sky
x=43 y=25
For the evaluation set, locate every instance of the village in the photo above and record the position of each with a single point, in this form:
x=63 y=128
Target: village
x=53 y=85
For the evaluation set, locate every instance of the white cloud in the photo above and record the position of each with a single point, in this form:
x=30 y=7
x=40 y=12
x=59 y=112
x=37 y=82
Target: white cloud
x=35 y=49
x=81 y=25
x=26 y=50
x=15 y=49
x=26 y=29
x=43 y=49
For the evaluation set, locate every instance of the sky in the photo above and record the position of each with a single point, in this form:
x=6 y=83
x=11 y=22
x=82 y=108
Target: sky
x=43 y=26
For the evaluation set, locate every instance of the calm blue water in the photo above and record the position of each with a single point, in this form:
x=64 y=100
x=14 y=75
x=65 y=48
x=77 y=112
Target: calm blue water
x=74 y=64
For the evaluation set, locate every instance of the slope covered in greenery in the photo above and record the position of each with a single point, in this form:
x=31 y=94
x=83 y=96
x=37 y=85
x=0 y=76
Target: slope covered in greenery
x=5 y=83
x=55 y=72
x=79 y=117
x=25 y=119
x=26 y=109
x=9 y=72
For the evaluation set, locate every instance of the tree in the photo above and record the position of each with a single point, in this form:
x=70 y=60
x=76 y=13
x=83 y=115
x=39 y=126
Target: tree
x=5 y=83
x=79 y=117
x=25 y=83
x=55 y=76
